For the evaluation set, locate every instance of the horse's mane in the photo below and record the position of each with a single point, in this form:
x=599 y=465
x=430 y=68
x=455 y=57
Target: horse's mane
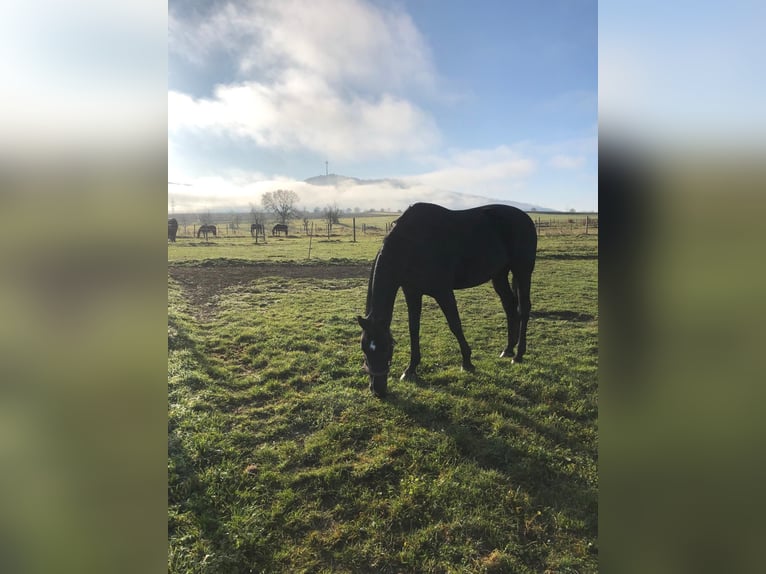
x=368 y=303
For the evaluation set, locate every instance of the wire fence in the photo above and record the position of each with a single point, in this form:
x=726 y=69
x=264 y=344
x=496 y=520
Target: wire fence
x=545 y=225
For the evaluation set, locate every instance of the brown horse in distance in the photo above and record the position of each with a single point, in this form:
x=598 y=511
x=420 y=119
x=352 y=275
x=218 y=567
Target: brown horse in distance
x=207 y=229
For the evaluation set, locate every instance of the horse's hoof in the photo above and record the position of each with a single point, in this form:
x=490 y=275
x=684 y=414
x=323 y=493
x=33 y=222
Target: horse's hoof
x=469 y=368
x=408 y=376
x=515 y=360
x=506 y=353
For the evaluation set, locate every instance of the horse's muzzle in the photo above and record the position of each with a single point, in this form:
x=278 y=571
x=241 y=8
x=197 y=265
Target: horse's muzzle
x=379 y=384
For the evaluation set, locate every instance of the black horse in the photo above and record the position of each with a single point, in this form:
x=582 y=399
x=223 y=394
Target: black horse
x=172 y=229
x=256 y=229
x=206 y=229
x=432 y=251
x=279 y=228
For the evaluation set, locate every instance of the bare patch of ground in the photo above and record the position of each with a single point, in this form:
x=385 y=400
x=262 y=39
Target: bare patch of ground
x=202 y=283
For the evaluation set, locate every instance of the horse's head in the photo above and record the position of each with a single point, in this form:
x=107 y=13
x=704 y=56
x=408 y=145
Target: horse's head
x=378 y=349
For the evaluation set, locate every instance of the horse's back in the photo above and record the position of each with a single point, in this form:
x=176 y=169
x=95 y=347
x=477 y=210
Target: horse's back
x=471 y=245
x=434 y=223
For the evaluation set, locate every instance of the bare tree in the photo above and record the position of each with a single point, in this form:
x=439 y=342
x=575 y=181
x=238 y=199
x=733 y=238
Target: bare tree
x=332 y=213
x=281 y=203
x=236 y=219
x=206 y=218
x=255 y=215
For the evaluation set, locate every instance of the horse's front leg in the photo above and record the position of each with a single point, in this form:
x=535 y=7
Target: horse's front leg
x=449 y=307
x=414 y=308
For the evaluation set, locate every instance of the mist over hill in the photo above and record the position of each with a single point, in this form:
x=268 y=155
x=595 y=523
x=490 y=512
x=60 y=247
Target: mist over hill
x=400 y=193
x=217 y=195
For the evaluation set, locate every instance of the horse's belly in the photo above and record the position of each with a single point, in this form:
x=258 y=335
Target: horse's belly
x=468 y=282
x=474 y=271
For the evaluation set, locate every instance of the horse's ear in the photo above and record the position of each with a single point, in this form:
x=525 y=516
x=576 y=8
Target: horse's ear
x=364 y=323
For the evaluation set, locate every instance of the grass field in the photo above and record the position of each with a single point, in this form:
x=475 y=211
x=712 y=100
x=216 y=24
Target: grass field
x=280 y=459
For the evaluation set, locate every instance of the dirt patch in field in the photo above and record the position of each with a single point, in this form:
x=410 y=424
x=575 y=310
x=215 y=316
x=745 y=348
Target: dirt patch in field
x=202 y=283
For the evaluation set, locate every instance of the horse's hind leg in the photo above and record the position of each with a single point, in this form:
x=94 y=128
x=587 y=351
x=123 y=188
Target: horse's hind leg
x=414 y=308
x=510 y=306
x=449 y=307
x=522 y=286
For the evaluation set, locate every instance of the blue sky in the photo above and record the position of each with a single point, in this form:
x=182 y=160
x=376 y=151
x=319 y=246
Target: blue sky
x=492 y=98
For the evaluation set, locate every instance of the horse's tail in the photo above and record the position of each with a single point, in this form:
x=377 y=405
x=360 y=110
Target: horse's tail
x=519 y=235
x=525 y=243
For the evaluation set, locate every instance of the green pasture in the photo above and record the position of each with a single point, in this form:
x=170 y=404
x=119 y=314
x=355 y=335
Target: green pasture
x=340 y=245
x=280 y=459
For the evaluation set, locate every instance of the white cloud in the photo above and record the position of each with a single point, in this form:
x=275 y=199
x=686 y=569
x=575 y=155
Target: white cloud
x=474 y=171
x=348 y=43
x=567 y=161
x=302 y=112
x=330 y=77
x=525 y=172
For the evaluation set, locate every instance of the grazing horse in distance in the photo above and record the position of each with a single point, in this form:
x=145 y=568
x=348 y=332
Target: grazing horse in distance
x=206 y=229
x=256 y=229
x=279 y=228
x=433 y=251
x=172 y=229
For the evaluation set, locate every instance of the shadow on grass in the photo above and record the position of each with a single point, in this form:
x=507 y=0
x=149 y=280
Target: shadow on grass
x=563 y=316
x=568 y=256
x=537 y=472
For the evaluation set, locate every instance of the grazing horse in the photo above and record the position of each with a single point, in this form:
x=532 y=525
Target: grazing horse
x=279 y=228
x=172 y=229
x=433 y=251
x=205 y=229
x=256 y=229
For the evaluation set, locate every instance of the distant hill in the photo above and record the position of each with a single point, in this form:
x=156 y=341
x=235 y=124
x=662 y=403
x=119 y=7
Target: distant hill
x=398 y=194
x=334 y=179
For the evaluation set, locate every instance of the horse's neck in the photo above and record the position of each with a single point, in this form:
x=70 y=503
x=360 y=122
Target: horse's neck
x=382 y=289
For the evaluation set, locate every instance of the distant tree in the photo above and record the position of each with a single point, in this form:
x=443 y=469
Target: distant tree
x=573 y=210
x=206 y=218
x=281 y=203
x=332 y=213
x=255 y=215
x=182 y=221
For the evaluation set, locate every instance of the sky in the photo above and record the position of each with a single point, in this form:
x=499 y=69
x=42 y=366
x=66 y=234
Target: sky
x=491 y=99
x=684 y=76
